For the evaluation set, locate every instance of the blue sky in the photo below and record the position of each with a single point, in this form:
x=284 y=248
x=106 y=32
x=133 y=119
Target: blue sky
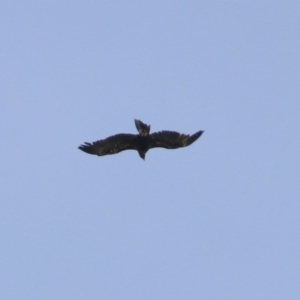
x=216 y=220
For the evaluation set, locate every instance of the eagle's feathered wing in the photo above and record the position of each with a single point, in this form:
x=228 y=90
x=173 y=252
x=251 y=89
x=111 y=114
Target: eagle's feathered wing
x=111 y=145
x=172 y=139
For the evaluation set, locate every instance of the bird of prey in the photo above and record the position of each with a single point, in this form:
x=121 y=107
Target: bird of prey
x=141 y=142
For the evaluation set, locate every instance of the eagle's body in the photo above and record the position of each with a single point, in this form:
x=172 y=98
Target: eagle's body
x=141 y=142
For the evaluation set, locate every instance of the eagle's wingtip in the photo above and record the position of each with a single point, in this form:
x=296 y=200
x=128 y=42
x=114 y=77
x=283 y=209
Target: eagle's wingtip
x=194 y=137
x=86 y=147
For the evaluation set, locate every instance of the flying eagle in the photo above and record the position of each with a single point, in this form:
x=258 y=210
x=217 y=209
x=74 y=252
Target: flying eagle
x=141 y=142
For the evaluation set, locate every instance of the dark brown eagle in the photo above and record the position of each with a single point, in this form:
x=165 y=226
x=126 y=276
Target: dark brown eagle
x=141 y=142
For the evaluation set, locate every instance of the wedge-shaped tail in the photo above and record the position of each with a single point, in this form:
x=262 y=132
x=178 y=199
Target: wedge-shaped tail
x=142 y=128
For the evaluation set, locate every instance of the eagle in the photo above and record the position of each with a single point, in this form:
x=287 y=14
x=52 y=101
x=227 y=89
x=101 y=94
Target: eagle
x=141 y=142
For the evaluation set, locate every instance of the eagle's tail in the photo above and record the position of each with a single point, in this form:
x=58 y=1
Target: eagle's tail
x=142 y=128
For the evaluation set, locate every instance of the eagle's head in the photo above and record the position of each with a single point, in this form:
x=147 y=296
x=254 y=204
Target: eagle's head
x=142 y=154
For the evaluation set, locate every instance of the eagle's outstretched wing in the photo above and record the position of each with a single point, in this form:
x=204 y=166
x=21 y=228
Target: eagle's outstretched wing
x=172 y=139
x=111 y=145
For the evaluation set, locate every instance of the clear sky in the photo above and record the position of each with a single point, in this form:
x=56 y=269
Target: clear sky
x=216 y=220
